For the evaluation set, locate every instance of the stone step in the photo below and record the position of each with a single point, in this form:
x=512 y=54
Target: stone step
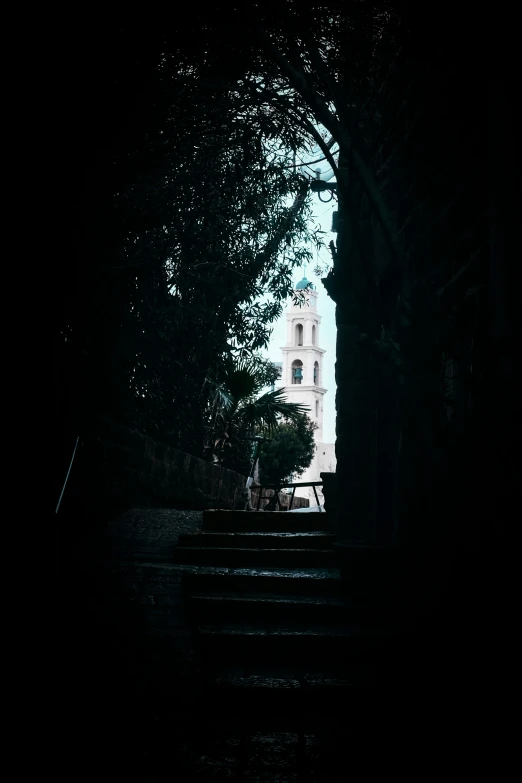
x=265 y=521
x=234 y=556
x=237 y=608
x=301 y=671
x=249 y=696
x=358 y=580
x=364 y=553
x=282 y=647
x=280 y=581
x=215 y=720
x=314 y=540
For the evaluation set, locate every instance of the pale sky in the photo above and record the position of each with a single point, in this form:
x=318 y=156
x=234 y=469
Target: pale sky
x=326 y=309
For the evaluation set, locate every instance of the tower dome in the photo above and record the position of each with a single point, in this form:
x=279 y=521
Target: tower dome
x=304 y=283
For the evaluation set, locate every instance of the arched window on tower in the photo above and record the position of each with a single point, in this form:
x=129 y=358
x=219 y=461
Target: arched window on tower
x=297 y=371
x=316 y=372
x=299 y=334
x=313 y=334
x=317 y=409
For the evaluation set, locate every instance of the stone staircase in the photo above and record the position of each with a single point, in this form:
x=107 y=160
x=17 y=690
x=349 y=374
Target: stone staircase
x=250 y=658
x=283 y=643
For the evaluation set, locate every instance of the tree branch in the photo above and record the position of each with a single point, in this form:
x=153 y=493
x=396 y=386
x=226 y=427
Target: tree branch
x=344 y=139
x=299 y=201
x=299 y=82
x=285 y=104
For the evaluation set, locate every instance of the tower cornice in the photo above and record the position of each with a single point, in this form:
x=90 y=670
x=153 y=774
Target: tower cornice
x=297 y=387
x=310 y=347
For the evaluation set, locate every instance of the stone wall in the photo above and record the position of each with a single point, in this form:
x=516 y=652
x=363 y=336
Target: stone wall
x=128 y=468
x=117 y=467
x=430 y=160
x=412 y=337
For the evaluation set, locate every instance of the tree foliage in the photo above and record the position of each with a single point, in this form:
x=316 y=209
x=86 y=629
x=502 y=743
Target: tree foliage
x=196 y=217
x=289 y=451
x=238 y=411
x=195 y=210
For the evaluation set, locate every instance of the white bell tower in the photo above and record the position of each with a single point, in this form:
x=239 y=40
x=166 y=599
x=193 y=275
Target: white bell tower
x=302 y=371
x=302 y=376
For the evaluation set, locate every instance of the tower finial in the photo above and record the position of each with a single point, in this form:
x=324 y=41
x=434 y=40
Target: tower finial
x=304 y=270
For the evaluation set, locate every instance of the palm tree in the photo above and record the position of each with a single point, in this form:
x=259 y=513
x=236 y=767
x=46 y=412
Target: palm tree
x=237 y=411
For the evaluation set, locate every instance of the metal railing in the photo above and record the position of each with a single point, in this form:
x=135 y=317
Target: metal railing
x=278 y=487
x=67 y=476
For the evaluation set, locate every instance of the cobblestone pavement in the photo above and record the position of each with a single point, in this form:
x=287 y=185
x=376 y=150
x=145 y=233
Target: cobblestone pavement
x=150 y=532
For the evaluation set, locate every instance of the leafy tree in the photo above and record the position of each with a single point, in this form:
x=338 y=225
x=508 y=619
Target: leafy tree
x=289 y=451
x=194 y=206
x=237 y=410
x=195 y=220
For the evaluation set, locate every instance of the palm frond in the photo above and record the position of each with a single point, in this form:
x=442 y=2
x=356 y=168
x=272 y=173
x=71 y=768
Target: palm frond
x=241 y=383
x=222 y=399
x=243 y=376
x=266 y=411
